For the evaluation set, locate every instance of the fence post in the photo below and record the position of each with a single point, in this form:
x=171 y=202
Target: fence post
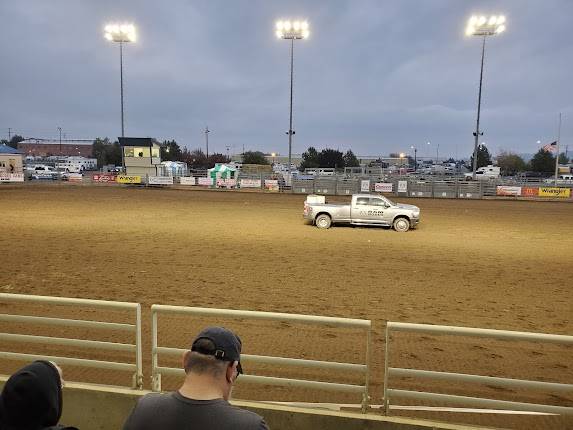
x=138 y=354
x=155 y=376
x=386 y=359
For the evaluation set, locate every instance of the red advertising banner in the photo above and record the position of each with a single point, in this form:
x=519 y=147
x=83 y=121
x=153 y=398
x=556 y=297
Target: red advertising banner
x=104 y=178
x=529 y=191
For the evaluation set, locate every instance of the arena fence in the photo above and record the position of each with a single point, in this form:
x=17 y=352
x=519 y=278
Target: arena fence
x=86 y=304
x=363 y=369
x=390 y=394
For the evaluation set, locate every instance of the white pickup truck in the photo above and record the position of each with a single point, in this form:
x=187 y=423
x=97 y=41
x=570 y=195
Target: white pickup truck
x=365 y=209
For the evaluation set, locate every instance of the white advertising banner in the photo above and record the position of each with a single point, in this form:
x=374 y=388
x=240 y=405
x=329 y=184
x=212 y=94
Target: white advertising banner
x=365 y=186
x=250 y=183
x=271 y=185
x=402 y=186
x=383 y=187
x=226 y=183
x=205 y=181
x=160 y=180
x=187 y=180
x=508 y=191
x=11 y=177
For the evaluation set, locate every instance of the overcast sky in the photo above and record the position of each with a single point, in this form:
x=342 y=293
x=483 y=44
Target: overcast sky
x=374 y=76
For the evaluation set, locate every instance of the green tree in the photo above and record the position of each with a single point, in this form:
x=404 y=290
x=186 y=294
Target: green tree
x=483 y=157
x=309 y=159
x=254 y=157
x=510 y=163
x=330 y=158
x=15 y=140
x=170 y=151
x=350 y=159
x=563 y=158
x=106 y=152
x=543 y=161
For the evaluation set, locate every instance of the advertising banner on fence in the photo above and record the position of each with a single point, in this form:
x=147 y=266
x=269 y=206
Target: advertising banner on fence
x=205 y=181
x=125 y=179
x=104 y=178
x=160 y=180
x=75 y=177
x=187 y=180
x=383 y=187
x=555 y=192
x=365 y=186
x=226 y=183
x=402 y=186
x=250 y=183
x=271 y=185
x=11 y=177
x=529 y=191
x=508 y=191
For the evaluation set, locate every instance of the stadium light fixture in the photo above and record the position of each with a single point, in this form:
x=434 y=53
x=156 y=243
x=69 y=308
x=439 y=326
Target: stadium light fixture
x=482 y=26
x=291 y=30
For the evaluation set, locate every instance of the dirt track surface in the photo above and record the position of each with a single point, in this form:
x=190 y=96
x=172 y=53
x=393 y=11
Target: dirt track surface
x=488 y=264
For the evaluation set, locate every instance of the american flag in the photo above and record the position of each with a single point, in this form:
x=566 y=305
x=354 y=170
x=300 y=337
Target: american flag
x=550 y=147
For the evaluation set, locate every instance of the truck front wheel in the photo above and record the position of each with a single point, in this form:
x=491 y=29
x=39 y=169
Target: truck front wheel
x=323 y=221
x=401 y=224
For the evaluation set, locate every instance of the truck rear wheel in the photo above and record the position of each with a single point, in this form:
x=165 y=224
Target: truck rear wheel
x=401 y=224
x=323 y=221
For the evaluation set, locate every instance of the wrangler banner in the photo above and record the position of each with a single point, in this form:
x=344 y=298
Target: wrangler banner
x=554 y=192
x=125 y=179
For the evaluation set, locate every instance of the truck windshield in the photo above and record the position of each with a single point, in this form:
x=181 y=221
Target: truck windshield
x=390 y=202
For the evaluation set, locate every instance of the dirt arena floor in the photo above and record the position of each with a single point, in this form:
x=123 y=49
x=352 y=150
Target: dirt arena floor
x=489 y=264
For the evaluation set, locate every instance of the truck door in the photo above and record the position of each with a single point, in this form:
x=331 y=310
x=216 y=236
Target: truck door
x=359 y=210
x=376 y=210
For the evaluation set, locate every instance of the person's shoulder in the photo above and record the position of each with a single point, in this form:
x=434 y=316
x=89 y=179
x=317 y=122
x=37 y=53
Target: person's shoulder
x=247 y=419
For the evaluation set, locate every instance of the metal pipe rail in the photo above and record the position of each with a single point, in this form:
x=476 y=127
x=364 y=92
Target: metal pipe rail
x=363 y=369
x=136 y=347
x=448 y=376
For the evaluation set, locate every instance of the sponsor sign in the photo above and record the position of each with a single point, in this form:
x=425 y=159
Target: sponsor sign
x=529 y=191
x=226 y=183
x=11 y=177
x=160 y=180
x=205 y=181
x=365 y=186
x=75 y=177
x=271 y=185
x=383 y=187
x=250 y=183
x=187 y=180
x=104 y=178
x=554 y=192
x=126 y=179
x=402 y=186
x=508 y=191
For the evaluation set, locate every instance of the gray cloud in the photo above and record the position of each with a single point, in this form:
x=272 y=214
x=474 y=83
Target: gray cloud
x=375 y=76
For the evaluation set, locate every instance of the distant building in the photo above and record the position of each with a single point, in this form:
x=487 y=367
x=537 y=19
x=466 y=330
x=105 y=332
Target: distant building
x=141 y=156
x=53 y=147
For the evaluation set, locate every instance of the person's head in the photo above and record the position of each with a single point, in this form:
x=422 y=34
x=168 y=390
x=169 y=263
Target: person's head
x=32 y=397
x=216 y=354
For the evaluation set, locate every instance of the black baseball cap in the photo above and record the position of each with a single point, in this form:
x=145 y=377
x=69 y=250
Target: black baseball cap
x=227 y=345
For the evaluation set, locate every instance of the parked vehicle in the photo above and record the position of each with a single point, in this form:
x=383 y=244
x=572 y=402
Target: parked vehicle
x=364 y=209
x=485 y=173
x=41 y=171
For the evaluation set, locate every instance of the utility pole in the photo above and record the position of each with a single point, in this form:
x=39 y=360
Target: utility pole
x=60 y=130
x=9 y=133
x=557 y=155
x=207 y=131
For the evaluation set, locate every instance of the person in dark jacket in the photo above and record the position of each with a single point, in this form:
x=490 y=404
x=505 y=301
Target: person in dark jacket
x=32 y=398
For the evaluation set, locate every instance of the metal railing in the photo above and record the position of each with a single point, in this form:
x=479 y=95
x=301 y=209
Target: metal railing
x=135 y=328
x=363 y=369
x=457 y=377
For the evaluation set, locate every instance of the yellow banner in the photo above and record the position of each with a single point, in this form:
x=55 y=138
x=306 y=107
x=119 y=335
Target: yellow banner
x=554 y=192
x=125 y=179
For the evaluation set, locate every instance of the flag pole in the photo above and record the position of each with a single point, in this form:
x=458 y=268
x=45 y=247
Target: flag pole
x=557 y=155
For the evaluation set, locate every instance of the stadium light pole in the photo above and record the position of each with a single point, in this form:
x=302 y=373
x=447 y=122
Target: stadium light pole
x=415 y=157
x=482 y=26
x=291 y=30
x=121 y=33
x=60 y=130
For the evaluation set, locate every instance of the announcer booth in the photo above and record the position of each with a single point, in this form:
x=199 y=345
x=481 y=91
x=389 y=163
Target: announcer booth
x=11 y=169
x=141 y=156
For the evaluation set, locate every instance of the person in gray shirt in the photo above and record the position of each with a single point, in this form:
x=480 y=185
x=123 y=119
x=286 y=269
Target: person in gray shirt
x=211 y=366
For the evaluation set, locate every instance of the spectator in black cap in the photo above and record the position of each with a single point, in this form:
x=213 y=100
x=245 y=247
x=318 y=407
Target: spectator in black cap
x=211 y=367
x=32 y=398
